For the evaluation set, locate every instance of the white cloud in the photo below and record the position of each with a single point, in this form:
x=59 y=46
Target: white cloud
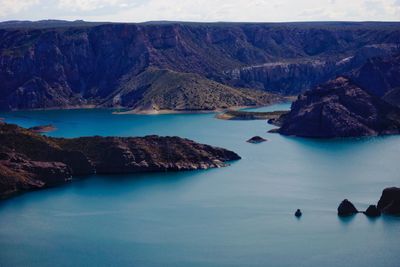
x=7 y=6
x=86 y=5
x=202 y=10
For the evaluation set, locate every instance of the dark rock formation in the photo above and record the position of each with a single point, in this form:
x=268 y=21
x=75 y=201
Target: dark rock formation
x=32 y=161
x=256 y=140
x=346 y=208
x=372 y=211
x=298 y=213
x=67 y=64
x=340 y=108
x=389 y=203
x=379 y=75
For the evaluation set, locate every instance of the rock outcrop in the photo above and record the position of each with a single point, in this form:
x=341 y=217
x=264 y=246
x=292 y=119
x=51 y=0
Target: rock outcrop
x=389 y=203
x=346 y=208
x=340 y=108
x=31 y=161
x=256 y=140
x=59 y=64
x=372 y=211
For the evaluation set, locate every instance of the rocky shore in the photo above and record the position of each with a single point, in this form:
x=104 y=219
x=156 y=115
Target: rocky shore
x=29 y=161
x=250 y=115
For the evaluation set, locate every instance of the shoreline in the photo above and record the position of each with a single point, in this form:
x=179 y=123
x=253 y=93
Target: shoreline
x=150 y=111
x=188 y=111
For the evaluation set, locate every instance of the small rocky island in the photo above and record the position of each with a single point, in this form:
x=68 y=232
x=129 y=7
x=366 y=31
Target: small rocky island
x=256 y=140
x=30 y=161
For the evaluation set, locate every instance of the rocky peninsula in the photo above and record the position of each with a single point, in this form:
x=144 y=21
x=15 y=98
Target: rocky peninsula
x=30 y=161
x=340 y=108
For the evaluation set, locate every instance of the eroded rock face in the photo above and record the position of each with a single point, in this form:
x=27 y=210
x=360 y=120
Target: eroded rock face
x=340 y=108
x=19 y=173
x=346 y=208
x=31 y=161
x=389 y=203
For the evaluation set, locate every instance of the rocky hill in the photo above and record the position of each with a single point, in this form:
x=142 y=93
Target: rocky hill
x=59 y=64
x=340 y=108
x=156 y=90
x=30 y=161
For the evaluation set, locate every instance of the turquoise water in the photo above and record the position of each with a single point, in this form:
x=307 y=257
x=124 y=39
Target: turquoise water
x=241 y=215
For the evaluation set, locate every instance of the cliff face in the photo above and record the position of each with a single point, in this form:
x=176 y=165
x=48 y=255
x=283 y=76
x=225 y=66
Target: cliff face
x=89 y=64
x=340 y=108
x=31 y=161
x=389 y=203
x=380 y=76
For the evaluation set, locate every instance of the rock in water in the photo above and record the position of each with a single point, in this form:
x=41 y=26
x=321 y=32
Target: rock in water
x=256 y=140
x=389 y=202
x=372 y=211
x=298 y=213
x=346 y=208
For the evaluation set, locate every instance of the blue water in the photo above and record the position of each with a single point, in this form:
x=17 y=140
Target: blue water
x=241 y=215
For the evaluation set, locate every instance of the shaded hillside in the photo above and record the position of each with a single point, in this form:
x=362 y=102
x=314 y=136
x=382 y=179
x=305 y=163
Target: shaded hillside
x=340 y=108
x=43 y=67
x=30 y=161
x=379 y=76
x=156 y=89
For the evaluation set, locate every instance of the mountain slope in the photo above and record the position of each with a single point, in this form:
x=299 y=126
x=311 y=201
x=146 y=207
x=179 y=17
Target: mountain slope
x=156 y=89
x=379 y=75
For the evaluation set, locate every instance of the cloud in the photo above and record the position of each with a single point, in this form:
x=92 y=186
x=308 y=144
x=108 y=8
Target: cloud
x=13 y=7
x=202 y=10
x=86 y=5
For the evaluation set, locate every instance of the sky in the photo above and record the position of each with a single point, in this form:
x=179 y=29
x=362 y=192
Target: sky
x=202 y=10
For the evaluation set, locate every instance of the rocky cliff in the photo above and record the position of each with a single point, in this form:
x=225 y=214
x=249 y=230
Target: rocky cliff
x=57 y=64
x=380 y=76
x=340 y=108
x=31 y=161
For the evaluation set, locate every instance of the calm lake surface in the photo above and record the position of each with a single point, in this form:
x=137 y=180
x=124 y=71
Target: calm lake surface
x=241 y=215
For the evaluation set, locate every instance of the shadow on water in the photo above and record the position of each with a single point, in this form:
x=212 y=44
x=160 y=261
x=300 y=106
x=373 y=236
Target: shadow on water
x=108 y=185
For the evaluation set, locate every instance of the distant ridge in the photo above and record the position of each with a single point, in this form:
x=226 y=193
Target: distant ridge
x=64 y=64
